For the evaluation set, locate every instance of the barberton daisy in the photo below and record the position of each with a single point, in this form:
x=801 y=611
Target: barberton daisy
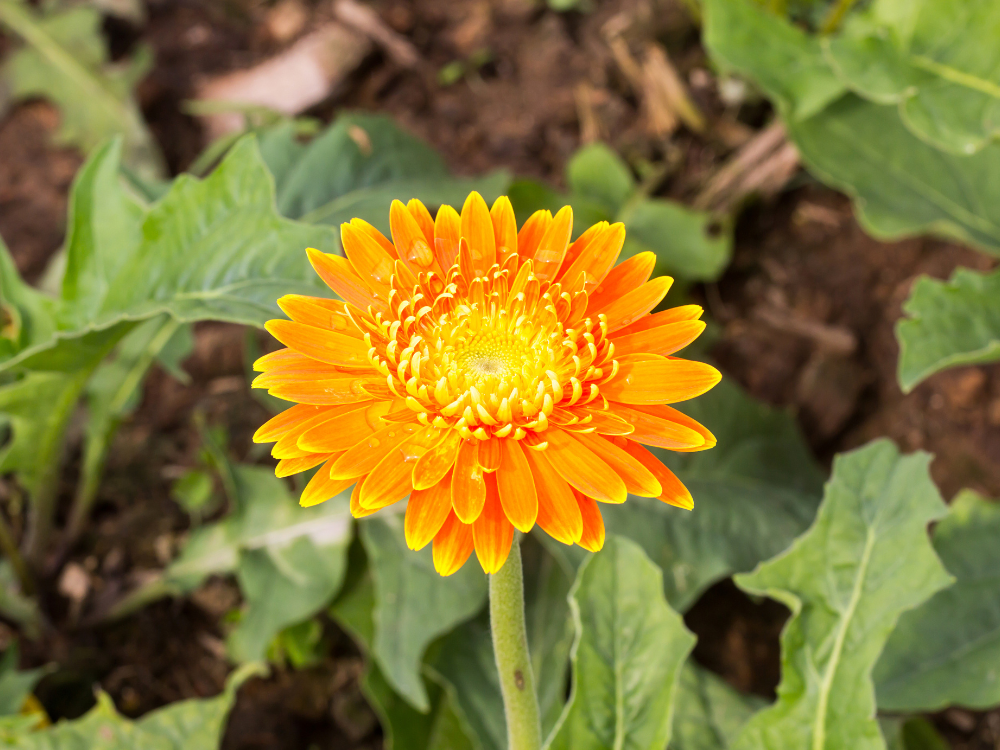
x=497 y=378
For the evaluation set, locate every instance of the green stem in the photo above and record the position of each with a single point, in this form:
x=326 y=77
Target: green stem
x=42 y=508
x=510 y=645
x=832 y=21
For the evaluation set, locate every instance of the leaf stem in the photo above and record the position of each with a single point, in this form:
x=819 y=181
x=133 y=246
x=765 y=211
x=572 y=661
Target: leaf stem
x=510 y=646
x=42 y=500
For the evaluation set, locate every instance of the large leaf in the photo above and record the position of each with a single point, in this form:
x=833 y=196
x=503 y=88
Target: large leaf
x=937 y=59
x=947 y=651
x=289 y=560
x=65 y=60
x=210 y=249
x=709 y=714
x=900 y=184
x=866 y=560
x=949 y=324
x=404 y=727
x=597 y=173
x=413 y=604
x=195 y=724
x=753 y=493
x=627 y=655
x=357 y=167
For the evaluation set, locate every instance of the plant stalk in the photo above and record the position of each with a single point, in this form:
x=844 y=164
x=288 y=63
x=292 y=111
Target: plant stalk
x=510 y=646
x=42 y=499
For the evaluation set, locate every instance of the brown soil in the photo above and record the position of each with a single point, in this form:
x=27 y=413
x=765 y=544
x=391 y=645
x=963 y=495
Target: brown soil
x=805 y=318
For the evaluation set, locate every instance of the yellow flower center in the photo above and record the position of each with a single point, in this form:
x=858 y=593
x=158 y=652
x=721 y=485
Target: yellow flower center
x=491 y=354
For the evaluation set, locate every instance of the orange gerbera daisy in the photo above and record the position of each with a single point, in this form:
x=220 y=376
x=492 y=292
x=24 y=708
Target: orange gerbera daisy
x=498 y=378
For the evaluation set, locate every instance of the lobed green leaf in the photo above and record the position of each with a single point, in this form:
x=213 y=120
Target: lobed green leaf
x=865 y=561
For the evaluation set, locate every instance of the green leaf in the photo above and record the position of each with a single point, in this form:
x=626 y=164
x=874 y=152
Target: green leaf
x=900 y=184
x=754 y=493
x=413 y=604
x=786 y=62
x=15 y=606
x=949 y=324
x=65 y=61
x=627 y=655
x=404 y=727
x=210 y=249
x=357 y=167
x=947 y=651
x=865 y=560
x=15 y=685
x=936 y=59
x=708 y=713
x=693 y=245
x=597 y=173
x=289 y=560
x=195 y=724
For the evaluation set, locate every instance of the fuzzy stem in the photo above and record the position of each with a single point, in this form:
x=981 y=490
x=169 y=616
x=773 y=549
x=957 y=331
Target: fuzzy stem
x=9 y=548
x=832 y=21
x=510 y=645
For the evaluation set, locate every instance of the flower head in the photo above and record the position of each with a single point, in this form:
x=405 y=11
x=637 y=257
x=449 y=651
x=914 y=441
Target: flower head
x=498 y=378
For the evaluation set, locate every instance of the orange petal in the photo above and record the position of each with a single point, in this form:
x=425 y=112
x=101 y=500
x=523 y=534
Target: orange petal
x=343 y=431
x=468 y=487
x=321 y=487
x=651 y=429
x=504 y=228
x=582 y=468
x=477 y=229
x=658 y=381
x=452 y=545
x=665 y=340
x=634 y=304
x=674 y=492
x=580 y=247
x=551 y=250
x=277 y=426
x=305 y=368
x=325 y=346
x=447 y=233
x=516 y=486
x=423 y=217
x=670 y=414
x=392 y=477
x=532 y=232
x=638 y=479
x=489 y=454
x=288 y=466
x=372 y=233
x=288 y=445
x=365 y=455
x=627 y=276
x=370 y=261
x=596 y=260
x=410 y=240
x=356 y=510
x=662 y=318
x=602 y=422
x=275 y=359
x=558 y=512
x=339 y=275
x=592 y=537
x=426 y=512
x=319 y=312
x=345 y=390
x=431 y=467
x=492 y=531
